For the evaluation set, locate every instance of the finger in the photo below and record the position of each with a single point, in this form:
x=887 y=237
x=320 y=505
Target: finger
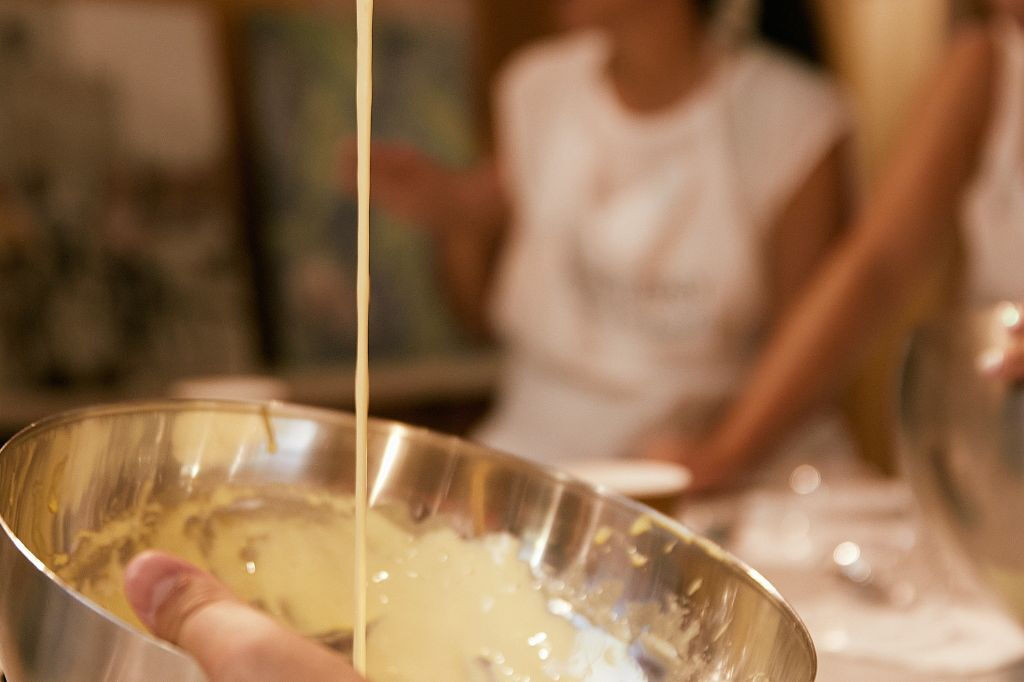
x=348 y=149
x=347 y=164
x=1003 y=363
x=709 y=471
x=1012 y=364
x=669 y=446
x=397 y=153
x=711 y=478
x=664 y=450
x=388 y=160
x=230 y=640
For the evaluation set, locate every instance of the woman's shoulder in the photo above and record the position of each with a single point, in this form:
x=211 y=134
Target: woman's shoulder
x=786 y=118
x=781 y=107
x=555 y=62
x=768 y=77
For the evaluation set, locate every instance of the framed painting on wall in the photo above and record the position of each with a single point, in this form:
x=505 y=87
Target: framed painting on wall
x=121 y=254
x=296 y=69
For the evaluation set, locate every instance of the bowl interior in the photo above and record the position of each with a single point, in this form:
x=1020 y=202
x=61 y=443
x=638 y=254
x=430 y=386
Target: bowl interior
x=70 y=476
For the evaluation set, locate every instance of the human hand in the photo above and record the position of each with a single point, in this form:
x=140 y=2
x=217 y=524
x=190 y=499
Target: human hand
x=230 y=640
x=409 y=184
x=711 y=467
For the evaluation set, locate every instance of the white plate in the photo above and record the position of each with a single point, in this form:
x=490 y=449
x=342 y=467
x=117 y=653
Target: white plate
x=636 y=478
x=231 y=387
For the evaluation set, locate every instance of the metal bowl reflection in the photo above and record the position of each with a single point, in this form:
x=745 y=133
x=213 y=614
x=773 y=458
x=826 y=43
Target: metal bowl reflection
x=963 y=442
x=72 y=472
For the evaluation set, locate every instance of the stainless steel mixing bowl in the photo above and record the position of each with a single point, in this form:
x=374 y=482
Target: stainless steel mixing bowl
x=963 y=442
x=73 y=472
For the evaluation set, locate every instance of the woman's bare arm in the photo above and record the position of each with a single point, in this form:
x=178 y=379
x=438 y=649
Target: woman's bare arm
x=891 y=245
x=468 y=253
x=465 y=210
x=807 y=230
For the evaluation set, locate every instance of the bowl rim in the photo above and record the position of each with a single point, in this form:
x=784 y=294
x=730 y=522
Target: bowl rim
x=286 y=409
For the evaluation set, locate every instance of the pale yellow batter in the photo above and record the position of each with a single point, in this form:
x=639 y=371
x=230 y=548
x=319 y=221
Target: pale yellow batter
x=364 y=100
x=439 y=607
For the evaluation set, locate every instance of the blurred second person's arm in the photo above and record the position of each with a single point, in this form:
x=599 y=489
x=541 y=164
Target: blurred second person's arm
x=465 y=210
x=897 y=237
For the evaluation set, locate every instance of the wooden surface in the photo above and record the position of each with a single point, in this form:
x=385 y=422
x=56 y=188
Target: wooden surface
x=397 y=389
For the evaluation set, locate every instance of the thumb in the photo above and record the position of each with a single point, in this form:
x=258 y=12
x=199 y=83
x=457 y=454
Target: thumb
x=231 y=641
x=666 y=447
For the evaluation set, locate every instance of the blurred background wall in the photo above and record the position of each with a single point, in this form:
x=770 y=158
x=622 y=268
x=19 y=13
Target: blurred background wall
x=186 y=140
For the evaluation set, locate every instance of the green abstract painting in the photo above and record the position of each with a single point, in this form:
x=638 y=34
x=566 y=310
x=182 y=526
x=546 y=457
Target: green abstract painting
x=299 y=110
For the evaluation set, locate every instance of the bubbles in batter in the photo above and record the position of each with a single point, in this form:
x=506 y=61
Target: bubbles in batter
x=439 y=606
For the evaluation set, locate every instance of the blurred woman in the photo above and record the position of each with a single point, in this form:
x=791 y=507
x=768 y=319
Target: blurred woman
x=665 y=199
x=959 y=171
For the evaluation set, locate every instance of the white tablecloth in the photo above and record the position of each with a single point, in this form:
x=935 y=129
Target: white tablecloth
x=923 y=618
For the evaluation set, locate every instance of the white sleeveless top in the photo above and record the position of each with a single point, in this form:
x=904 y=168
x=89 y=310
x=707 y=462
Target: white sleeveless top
x=632 y=284
x=993 y=211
